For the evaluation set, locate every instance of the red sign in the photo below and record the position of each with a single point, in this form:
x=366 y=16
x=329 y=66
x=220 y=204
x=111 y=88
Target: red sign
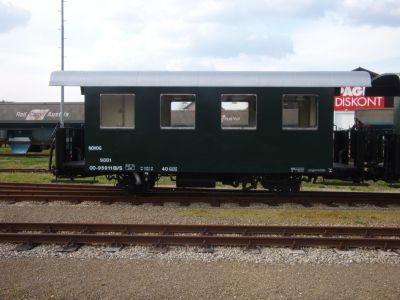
x=352 y=98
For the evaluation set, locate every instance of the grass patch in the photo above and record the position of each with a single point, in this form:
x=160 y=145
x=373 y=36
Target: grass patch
x=5 y=149
x=41 y=178
x=26 y=177
x=35 y=163
x=24 y=162
x=356 y=217
x=341 y=185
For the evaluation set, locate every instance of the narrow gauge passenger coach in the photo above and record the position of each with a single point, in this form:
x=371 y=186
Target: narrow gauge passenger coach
x=203 y=127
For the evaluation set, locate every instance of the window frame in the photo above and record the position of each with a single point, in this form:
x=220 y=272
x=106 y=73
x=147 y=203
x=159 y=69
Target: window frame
x=316 y=110
x=178 y=127
x=117 y=127
x=240 y=127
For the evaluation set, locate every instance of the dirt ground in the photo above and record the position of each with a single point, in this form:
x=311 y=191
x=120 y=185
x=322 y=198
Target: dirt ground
x=36 y=278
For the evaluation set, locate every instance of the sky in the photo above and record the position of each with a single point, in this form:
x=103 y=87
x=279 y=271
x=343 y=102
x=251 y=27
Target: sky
x=251 y=35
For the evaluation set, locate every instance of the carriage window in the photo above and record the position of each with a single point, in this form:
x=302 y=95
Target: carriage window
x=238 y=111
x=300 y=112
x=117 y=111
x=178 y=111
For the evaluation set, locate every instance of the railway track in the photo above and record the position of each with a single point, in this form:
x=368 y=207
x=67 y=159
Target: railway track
x=13 y=192
x=53 y=186
x=201 y=235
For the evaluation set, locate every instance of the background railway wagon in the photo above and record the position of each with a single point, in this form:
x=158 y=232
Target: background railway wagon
x=351 y=102
x=30 y=125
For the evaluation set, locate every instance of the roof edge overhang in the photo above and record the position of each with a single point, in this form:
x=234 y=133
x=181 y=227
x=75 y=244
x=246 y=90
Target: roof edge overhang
x=210 y=78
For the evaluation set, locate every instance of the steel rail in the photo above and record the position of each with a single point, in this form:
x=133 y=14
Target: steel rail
x=205 y=229
x=58 y=192
x=200 y=192
x=69 y=197
x=330 y=196
x=62 y=192
x=203 y=235
x=166 y=191
x=212 y=199
x=52 y=186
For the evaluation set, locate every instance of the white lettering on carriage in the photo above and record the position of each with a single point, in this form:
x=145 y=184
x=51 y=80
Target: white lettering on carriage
x=95 y=148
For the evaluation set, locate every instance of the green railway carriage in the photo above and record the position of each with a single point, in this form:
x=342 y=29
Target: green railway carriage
x=202 y=127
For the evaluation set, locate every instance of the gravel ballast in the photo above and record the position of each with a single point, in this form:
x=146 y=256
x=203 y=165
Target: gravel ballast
x=126 y=213
x=315 y=256
x=72 y=278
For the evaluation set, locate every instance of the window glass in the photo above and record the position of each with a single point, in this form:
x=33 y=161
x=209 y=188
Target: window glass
x=117 y=111
x=300 y=111
x=178 y=111
x=238 y=111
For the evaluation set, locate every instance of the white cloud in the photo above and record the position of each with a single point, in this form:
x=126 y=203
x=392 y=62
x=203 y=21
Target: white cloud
x=371 y=12
x=344 y=47
x=12 y=16
x=195 y=35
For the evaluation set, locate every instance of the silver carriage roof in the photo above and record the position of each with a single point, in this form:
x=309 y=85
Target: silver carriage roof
x=209 y=79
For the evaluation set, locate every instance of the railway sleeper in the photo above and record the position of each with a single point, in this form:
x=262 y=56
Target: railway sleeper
x=26 y=246
x=159 y=247
x=252 y=249
x=162 y=244
x=205 y=248
x=70 y=247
